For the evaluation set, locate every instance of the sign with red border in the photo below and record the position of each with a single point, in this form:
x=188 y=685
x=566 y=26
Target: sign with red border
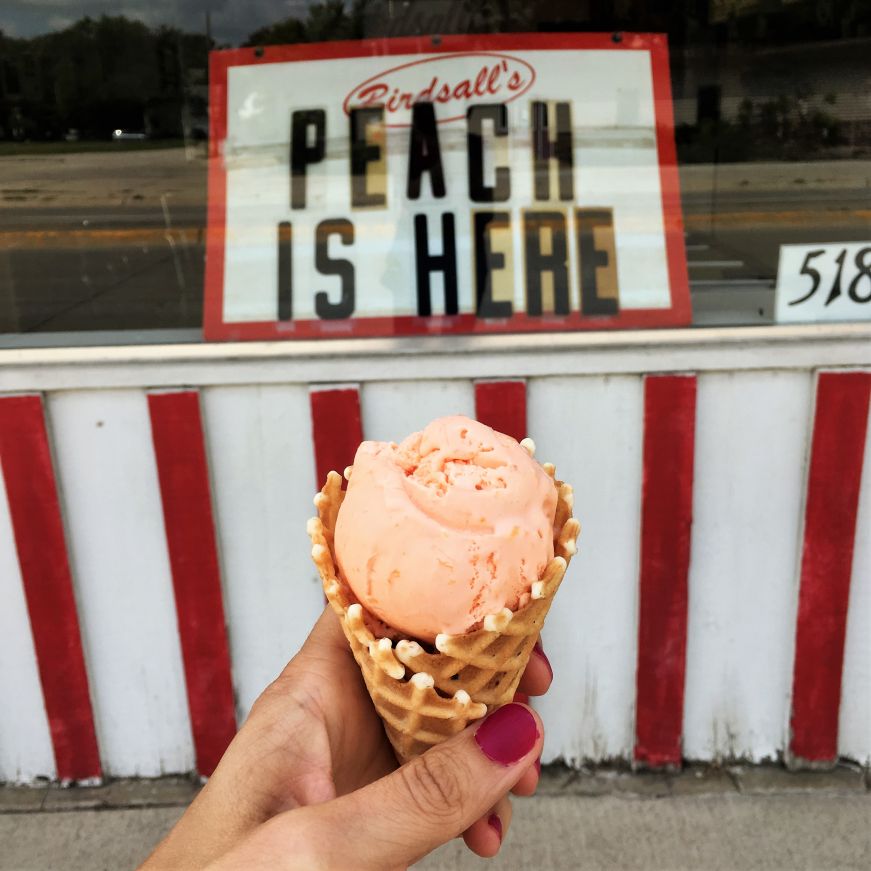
x=458 y=184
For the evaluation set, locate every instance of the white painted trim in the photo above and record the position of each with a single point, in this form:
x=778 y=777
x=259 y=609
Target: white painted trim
x=356 y=360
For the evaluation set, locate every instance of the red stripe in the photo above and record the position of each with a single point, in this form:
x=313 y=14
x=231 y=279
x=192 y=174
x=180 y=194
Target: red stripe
x=336 y=429
x=666 y=519
x=179 y=448
x=502 y=405
x=45 y=572
x=834 y=477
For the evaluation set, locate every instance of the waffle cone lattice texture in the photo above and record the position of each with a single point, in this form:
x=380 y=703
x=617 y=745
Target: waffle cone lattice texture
x=424 y=697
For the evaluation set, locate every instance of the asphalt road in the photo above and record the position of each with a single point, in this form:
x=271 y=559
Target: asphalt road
x=116 y=241
x=93 y=270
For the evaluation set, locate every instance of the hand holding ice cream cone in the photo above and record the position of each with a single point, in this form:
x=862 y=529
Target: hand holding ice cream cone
x=479 y=536
x=310 y=780
x=442 y=560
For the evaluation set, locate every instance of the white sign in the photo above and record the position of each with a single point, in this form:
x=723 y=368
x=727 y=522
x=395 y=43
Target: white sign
x=829 y=282
x=494 y=183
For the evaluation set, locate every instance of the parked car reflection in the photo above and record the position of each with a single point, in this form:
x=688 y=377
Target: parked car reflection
x=119 y=135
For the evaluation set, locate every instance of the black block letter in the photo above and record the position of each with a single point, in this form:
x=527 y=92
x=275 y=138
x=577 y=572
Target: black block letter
x=424 y=154
x=363 y=152
x=344 y=308
x=301 y=153
x=426 y=263
x=600 y=294
x=544 y=150
x=538 y=263
x=486 y=261
x=478 y=191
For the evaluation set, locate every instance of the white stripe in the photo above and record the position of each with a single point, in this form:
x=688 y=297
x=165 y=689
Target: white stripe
x=751 y=439
x=262 y=465
x=591 y=428
x=394 y=409
x=854 y=730
x=118 y=550
x=25 y=743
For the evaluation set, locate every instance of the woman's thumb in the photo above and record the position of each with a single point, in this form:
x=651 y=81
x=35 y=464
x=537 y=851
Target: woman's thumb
x=434 y=797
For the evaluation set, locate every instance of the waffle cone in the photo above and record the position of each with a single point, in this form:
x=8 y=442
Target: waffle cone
x=424 y=697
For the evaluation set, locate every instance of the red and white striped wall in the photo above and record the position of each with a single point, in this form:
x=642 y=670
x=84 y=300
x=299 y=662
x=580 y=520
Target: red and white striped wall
x=154 y=567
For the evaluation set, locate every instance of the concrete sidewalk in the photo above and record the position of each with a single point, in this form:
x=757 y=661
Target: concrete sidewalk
x=736 y=820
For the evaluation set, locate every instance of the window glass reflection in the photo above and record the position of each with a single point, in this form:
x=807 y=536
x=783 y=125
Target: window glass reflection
x=104 y=125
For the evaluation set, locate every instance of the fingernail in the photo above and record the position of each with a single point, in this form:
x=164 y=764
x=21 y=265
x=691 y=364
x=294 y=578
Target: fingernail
x=494 y=822
x=539 y=651
x=523 y=698
x=508 y=734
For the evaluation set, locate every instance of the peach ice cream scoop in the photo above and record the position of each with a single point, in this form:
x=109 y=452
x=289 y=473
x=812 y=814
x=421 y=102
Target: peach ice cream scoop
x=451 y=525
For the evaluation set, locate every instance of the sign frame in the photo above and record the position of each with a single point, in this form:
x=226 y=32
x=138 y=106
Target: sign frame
x=678 y=314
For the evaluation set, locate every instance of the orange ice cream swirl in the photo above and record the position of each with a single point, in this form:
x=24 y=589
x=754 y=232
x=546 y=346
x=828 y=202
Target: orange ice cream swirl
x=451 y=525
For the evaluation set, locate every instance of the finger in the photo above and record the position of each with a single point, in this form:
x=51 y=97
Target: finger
x=485 y=836
x=325 y=644
x=528 y=782
x=326 y=653
x=432 y=798
x=537 y=678
x=326 y=636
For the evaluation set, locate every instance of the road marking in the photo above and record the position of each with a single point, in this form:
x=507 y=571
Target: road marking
x=721 y=264
x=132 y=236
x=725 y=282
x=794 y=218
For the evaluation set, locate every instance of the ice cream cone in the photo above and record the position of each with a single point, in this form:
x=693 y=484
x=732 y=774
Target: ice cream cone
x=425 y=696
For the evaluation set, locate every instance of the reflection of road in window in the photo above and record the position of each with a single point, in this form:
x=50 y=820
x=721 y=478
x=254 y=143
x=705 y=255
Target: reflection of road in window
x=104 y=127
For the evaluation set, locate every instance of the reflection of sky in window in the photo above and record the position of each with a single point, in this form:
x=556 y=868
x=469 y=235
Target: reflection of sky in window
x=231 y=20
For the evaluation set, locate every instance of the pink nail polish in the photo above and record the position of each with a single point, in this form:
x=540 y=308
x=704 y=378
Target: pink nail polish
x=539 y=651
x=495 y=823
x=508 y=734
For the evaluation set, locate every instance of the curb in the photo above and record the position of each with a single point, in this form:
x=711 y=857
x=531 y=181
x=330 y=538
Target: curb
x=557 y=780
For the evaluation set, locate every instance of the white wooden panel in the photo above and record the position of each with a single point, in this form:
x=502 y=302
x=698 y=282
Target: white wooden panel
x=854 y=731
x=25 y=742
x=260 y=453
x=111 y=500
x=591 y=428
x=394 y=409
x=751 y=443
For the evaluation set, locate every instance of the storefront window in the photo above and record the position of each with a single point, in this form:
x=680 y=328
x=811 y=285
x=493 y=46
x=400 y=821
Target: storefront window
x=104 y=147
